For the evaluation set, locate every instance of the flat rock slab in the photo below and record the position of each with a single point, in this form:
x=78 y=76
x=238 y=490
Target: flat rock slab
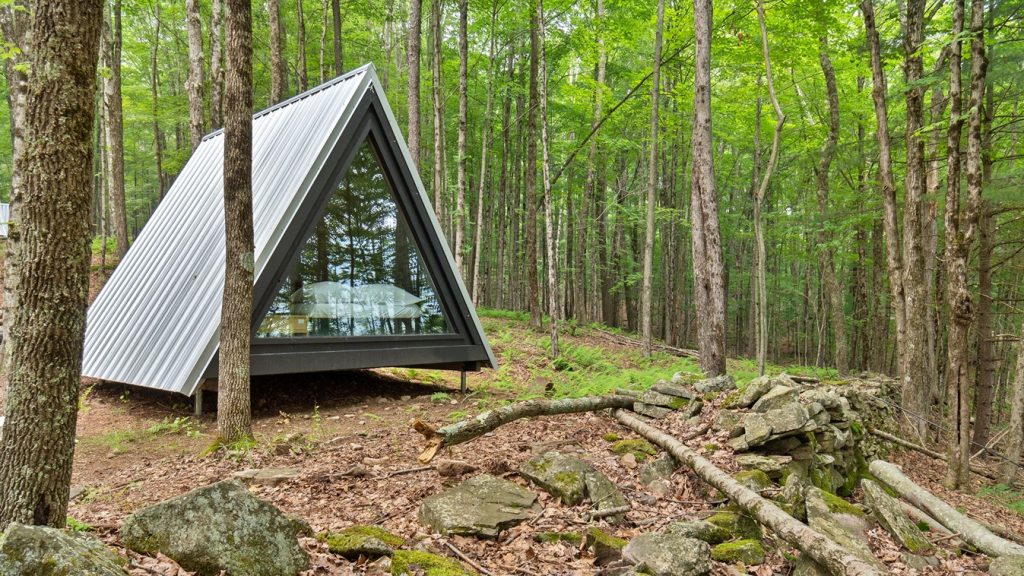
x=32 y=550
x=777 y=397
x=889 y=513
x=716 y=384
x=219 y=527
x=841 y=521
x=481 y=506
x=270 y=476
x=560 y=475
x=678 y=390
x=668 y=555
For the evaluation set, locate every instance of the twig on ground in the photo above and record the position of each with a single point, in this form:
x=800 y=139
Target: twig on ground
x=598 y=514
x=467 y=559
x=394 y=473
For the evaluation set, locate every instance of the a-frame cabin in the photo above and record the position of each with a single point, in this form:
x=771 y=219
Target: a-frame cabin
x=351 y=267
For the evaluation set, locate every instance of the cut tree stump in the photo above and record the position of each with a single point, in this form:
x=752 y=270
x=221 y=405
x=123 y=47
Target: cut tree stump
x=475 y=427
x=817 y=547
x=970 y=531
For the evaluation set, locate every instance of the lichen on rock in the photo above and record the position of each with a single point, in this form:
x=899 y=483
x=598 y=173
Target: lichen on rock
x=44 y=551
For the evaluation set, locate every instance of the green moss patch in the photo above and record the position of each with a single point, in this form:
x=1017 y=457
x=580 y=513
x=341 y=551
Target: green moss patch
x=737 y=524
x=747 y=551
x=361 y=540
x=416 y=562
x=837 y=505
x=638 y=447
x=611 y=437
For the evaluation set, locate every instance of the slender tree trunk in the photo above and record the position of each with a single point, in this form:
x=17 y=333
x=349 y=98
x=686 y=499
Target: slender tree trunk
x=278 y=70
x=985 y=389
x=762 y=191
x=438 y=167
x=652 y=189
x=114 y=128
x=754 y=336
x=960 y=231
x=550 y=239
x=234 y=419
x=194 y=84
x=339 y=57
x=484 y=153
x=300 y=46
x=413 y=92
x=532 y=282
x=217 y=65
x=826 y=253
x=460 y=178
x=154 y=87
x=47 y=328
x=1015 y=438
x=601 y=278
x=890 y=227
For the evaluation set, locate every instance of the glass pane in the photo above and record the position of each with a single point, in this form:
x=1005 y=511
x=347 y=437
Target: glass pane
x=360 y=272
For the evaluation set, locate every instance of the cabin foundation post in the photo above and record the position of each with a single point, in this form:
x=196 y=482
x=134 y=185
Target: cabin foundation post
x=198 y=398
x=462 y=383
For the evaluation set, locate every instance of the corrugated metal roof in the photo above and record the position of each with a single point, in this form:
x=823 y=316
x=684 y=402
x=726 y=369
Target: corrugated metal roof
x=156 y=322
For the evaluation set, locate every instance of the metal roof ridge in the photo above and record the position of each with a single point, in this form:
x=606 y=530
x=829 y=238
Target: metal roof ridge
x=368 y=67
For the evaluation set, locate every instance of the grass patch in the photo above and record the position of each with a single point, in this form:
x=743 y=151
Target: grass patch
x=1005 y=496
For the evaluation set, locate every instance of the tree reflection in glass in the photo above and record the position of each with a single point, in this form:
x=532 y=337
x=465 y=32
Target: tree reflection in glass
x=359 y=272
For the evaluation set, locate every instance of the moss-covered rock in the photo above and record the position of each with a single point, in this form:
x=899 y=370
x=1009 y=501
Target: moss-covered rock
x=701 y=530
x=481 y=506
x=611 y=437
x=890 y=515
x=736 y=524
x=571 y=538
x=756 y=480
x=747 y=551
x=219 y=527
x=606 y=548
x=43 y=551
x=668 y=554
x=638 y=447
x=560 y=475
x=416 y=562
x=362 y=540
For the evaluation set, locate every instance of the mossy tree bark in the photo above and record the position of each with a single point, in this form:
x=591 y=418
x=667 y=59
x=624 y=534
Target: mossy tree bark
x=234 y=418
x=47 y=328
x=194 y=84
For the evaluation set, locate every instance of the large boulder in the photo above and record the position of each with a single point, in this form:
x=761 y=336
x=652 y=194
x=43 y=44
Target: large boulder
x=668 y=554
x=43 y=551
x=890 y=515
x=481 y=506
x=219 y=527
x=571 y=480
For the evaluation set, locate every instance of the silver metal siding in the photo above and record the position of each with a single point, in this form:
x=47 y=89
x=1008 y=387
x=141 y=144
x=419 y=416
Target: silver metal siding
x=156 y=322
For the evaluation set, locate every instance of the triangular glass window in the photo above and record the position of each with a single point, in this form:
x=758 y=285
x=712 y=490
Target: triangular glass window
x=359 y=272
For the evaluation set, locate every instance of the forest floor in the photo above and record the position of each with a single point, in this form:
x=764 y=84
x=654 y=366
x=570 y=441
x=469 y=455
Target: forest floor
x=349 y=436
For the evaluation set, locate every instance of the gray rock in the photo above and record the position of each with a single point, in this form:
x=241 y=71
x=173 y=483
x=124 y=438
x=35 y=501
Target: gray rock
x=560 y=475
x=677 y=389
x=650 y=410
x=701 y=530
x=669 y=555
x=756 y=430
x=791 y=497
x=784 y=420
x=659 y=468
x=1007 y=566
x=773 y=465
x=716 y=384
x=752 y=393
x=39 y=550
x=841 y=521
x=481 y=506
x=678 y=378
x=889 y=513
x=922 y=563
x=777 y=397
x=270 y=476
x=664 y=400
x=219 y=527
x=729 y=421
x=693 y=408
x=604 y=494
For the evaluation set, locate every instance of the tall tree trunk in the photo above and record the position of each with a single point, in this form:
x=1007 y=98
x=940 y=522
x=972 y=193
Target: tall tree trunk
x=533 y=289
x=460 y=178
x=762 y=190
x=985 y=388
x=754 y=336
x=154 y=88
x=601 y=279
x=339 y=57
x=217 y=65
x=652 y=189
x=916 y=388
x=826 y=255
x=1015 y=438
x=113 y=127
x=550 y=239
x=708 y=270
x=960 y=231
x=300 y=46
x=484 y=153
x=413 y=92
x=894 y=256
x=194 y=84
x=438 y=168
x=278 y=69
x=47 y=328
x=234 y=418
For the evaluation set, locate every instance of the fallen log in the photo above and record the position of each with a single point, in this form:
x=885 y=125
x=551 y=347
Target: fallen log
x=474 y=427
x=817 y=547
x=627 y=341
x=970 y=531
x=926 y=451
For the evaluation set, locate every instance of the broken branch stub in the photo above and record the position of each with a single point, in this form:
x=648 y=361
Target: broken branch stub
x=819 y=548
x=475 y=427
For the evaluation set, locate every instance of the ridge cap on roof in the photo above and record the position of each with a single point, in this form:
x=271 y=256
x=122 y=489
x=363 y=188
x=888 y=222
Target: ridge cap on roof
x=368 y=67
